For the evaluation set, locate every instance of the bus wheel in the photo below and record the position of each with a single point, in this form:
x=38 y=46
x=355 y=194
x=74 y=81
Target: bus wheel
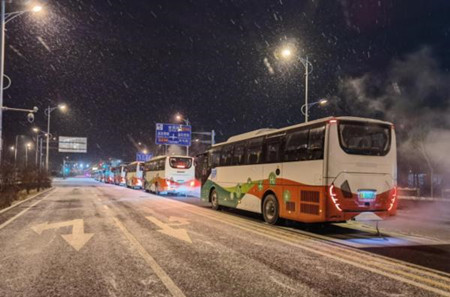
x=214 y=198
x=270 y=209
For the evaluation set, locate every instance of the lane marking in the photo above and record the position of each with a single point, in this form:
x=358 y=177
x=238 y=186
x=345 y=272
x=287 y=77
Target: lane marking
x=23 y=211
x=180 y=234
x=344 y=250
x=341 y=258
x=29 y=198
x=309 y=235
x=338 y=249
x=77 y=239
x=339 y=255
x=163 y=276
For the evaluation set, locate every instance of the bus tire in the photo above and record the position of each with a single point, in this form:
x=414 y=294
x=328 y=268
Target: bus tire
x=214 y=199
x=270 y=209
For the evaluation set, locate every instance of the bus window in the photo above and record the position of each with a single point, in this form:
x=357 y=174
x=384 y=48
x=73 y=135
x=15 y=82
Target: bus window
x=364 y=138
x=162 y=164
x=226 y=155
x=238 y=154
x=214 y=158
x=272 y=153
x=254 y=151
x=315 y=146
x=181 y=163
x=296 y=146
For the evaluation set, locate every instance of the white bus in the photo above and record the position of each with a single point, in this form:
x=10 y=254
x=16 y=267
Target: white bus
x=330 y=169
x=170 y=174
x=119 y=174
x=134 y=175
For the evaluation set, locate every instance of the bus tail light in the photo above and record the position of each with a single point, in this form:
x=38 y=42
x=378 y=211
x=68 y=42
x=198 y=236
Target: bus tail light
x=393 y=198
x=192 y=183
x=333 y=197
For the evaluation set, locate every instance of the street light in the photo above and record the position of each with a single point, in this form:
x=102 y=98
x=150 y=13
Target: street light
x=27 y=147
x=286 y=53
x=48 y=111
x=5 y=18
x=37 y=8
x=305 y=107
x=180 y=118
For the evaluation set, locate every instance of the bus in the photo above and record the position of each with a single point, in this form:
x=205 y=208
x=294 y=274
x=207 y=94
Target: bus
x=134 y=175
x=327 y=170
x=119 y=174
x=170 y=174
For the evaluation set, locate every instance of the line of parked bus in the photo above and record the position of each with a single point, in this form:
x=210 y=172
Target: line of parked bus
x=327 y=170
x=162 y=174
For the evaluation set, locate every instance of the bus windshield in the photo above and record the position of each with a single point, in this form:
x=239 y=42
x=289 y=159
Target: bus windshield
x=180 y=163
x=360 y=138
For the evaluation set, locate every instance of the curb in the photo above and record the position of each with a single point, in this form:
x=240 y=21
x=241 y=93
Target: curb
x=423 y=198
x=23 y=201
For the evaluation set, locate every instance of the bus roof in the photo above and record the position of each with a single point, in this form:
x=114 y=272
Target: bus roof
x=165 y=156
x=266 y=131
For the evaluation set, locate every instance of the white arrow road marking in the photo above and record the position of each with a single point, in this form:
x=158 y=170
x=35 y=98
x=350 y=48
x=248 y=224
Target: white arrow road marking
x=181 y=221
x=180 y=234
x=77 y=239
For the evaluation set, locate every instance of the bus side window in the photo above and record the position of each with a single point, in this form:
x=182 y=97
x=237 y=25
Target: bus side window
x=226 y=155
x=272 y=153
x=238 y=154
x=296 y=146
x=316 y=141
x=254 y=151
x=214 y=158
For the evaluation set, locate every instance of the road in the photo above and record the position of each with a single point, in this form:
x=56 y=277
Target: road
x=84 y=238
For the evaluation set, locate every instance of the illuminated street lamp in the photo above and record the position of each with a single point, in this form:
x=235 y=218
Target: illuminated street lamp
x=5 y=18
x=305 y=107
x=48 y=111
x=144 y=151
x=27 y=147
x=287 y=53
x=180 y=118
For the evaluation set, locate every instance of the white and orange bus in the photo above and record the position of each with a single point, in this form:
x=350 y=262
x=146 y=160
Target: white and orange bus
x=134 y=175
x=119 y=174
x=170 y=174
x=325 y=170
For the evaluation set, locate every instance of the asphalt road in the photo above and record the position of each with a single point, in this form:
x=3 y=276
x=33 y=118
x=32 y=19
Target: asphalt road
x=84 y=238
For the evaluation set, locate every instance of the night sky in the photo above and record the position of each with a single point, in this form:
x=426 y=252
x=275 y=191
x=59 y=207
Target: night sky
x=122 y=66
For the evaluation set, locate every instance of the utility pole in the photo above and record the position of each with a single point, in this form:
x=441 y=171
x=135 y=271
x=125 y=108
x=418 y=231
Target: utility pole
x=2 y=59
x=306 y=88
x=47 y=149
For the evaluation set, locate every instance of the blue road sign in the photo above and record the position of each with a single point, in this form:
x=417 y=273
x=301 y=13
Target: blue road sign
x=173 y=134
x=141 y=157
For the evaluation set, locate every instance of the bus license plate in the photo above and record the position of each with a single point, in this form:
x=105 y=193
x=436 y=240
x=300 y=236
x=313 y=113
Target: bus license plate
x=367 y=194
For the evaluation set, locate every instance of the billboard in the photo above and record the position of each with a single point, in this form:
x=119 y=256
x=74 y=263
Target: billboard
x=173 y=134
x=141 y=157
x=72 y=144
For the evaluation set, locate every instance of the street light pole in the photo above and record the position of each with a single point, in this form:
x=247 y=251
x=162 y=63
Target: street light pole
x=305 y=107
x=306 y=88
x=47 y=148
x=287 y=53
x=4 y=18
x=26 y=155
x=2 y=59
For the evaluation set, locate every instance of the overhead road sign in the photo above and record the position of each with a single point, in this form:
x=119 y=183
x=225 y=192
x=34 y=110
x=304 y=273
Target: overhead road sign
x=173 y=134
x=72 y=144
